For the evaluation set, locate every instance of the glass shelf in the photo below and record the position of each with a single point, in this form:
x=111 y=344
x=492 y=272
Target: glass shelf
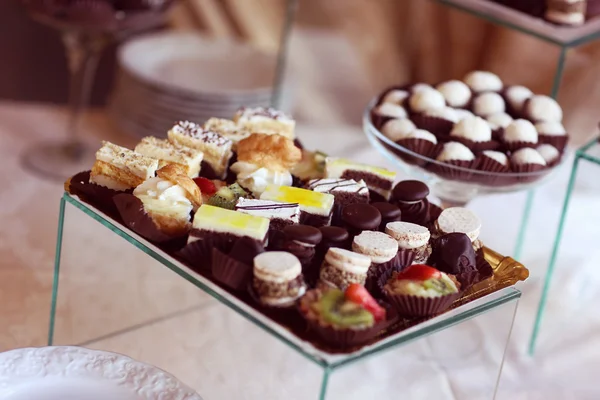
x=589 y=152
x=75 y=280
x=513 y=19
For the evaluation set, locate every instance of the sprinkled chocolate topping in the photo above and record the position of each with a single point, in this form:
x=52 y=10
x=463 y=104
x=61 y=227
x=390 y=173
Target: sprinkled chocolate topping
x=195 y=131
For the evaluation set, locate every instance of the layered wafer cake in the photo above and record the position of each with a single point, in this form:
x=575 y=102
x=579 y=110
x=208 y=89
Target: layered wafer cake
x=379 y=180
x=280 y=214
x=227 y=128
x=225 y=226
x=345 y=191
x=171 y=153
x=216 y=148
x=315 y=208
x=265 y=120
x=119 y=168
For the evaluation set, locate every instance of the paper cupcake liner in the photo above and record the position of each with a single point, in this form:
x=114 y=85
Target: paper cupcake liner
x=420 y=146
x=497 y=134
x=97 y=195
x=416 y=306
x=560 y=142
x=198 y=254
x=488 y=164
x=451 y=173
x=379 y=274
x=526 y=168
x=343 y=337
x=514 y=146
x=438 y=126
x=379 y=120
x=477 y=147
x=229 y=271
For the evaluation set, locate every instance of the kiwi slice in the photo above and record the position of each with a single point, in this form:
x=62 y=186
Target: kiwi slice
x=437 y=285
x=224 y=198
x=336 y=310
x=237 y=190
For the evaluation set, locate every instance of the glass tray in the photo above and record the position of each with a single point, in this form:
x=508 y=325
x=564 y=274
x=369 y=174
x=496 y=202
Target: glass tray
x=485 y=298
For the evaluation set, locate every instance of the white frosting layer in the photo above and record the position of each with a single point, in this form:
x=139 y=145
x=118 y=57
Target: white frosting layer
x=500 y=120
x=548 y=152
x=527 y=156
x=447 y=113
x=462 y=114
x=276 y=266
x=397 y=129
x=165 y=197
x=543 y=108
x=256 y=179
x=488 y=103
x=497 y=156
x=459 y=219
x=269 y=209
x=418 y=87
x=455 y=151
x=391 y=110
x=520 y=130
x=396 y=97
x=333 y=185
x=349 y=261
x=483 y=81
x=456 y=93
x=408 y=235
x=551 y=128
x=472 y=128
x=517 y=95
x=426 y=99
x=378 y=246
x=422 y=134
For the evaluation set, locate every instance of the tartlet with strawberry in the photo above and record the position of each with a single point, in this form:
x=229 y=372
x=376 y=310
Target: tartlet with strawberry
x=345 y=318
x=421 y=291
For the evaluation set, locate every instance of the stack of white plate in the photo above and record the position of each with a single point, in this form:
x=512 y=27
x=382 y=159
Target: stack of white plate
x=170 y=76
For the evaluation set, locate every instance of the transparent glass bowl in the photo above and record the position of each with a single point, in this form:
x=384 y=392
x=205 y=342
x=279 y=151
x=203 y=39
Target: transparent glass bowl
x=454 y=185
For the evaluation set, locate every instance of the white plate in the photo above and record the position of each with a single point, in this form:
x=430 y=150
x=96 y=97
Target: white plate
x=192 y=63
x=77 y=373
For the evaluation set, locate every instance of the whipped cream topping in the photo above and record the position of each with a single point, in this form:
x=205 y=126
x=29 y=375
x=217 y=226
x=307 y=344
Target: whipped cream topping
x=455 y=151
x=496 y=156
x=527 y=156
x=426 y=99
x=472 y=128
x=488 y=103
x=391 y=110
x=422 y=134
x=396 y=97
x=544 y=108
x=161 y=195
x=456 y=93
x=418 y=87
x=462 y=114
x=551 y=128
x=517 y=95
x=499 y=120
x=520 y=130
x=396 y=129
x=483 y=81
x=256 y=178
x=447 y=113
x=548 y=152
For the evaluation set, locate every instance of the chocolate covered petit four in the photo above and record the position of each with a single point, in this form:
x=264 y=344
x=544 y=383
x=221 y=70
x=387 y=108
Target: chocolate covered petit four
x=359 y=217
x=411 y=197
x=265 y=120
x=389 y=213
x=278 y=280
x=453 y=253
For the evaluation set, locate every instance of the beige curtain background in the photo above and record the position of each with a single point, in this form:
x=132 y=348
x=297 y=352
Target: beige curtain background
x=376 y=43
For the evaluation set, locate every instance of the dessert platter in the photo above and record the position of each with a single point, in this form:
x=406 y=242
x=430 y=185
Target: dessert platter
x=468 y=136
x=337 y=254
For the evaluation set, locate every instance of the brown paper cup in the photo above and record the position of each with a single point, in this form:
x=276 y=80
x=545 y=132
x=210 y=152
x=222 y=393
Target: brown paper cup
x=198 y=255
x=338 y=337
x=379 y=120
x=560 y=142
x=451 y=173
x=229 y=271
x=497 y=134
x=97 y=195
x=527 y=168
x=416 y=306
x=514 y=146
x=420 y=146
x=477 y=147
x=438 y=126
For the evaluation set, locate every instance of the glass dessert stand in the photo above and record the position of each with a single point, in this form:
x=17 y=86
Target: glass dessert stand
x=590 y=152
x=565 y=38
x=115 y=297
x=453 y=185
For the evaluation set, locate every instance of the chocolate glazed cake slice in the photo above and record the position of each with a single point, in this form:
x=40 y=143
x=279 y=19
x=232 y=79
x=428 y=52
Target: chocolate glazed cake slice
x=345 y=191
x=379 y=180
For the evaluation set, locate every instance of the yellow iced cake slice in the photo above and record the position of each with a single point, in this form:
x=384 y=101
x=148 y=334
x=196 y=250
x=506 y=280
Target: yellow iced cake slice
x=220 y=220
x=171 y=153
x=377 y=179
x=309 y=201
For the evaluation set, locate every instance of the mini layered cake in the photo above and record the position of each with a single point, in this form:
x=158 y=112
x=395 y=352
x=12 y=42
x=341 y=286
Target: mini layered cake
x=343 y=267
x=216 y=148
x=280 y=214
x=227 y=128
x=278 y=280
x=315 y=208
x=379 y=180
x=265 y=120
x=345 y=191
x=171 y=153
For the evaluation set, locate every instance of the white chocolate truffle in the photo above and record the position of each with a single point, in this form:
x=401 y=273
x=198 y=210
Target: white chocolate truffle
x=520 y=130
x=500 y=120
x=516 y=96
x=541 y=108
x=426 y=99
x=447 y=113
x=474 y=128
x=498 y=156
x=527 y=155
x=418 y=87
x=396 y=96
x=391 y=110
x=455 y=151
x=548 y=152
x=488 y=103
x=397 y=129
x=462 y=114
x=551 y=128
x=422 y=134
x=456 y=93
x=483 y=81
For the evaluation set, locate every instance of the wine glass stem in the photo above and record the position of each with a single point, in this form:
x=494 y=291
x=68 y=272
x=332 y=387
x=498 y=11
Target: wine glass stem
x=83 y=53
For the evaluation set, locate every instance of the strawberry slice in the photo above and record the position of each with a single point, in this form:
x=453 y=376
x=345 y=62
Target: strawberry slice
x=419 y=272
x=357 y=293
x=206 y=185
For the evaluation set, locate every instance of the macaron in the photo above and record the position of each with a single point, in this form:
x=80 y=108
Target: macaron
x=359 y=217
x=410 y=191
x=408 y=235
x=378 y=246
x=459 y=219
x=346 y=260
x=276 y=267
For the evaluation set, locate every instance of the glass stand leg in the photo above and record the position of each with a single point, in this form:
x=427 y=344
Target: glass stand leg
x=559 y=72
x=524 y=225
x=512 y=324
x=324 y=382
x=553 y=257
x=59 y=236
